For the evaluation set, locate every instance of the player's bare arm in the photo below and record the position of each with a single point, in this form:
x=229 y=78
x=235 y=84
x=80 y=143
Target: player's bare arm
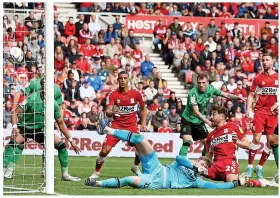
x=276 y=105
x=14 y=119
x=16 y=99
x=64 y=130
x=231 y=96
x=209 y=155
x=109 y=111
x=250 y=100
x=200 y=116
x=243 y=143
x=143 y=114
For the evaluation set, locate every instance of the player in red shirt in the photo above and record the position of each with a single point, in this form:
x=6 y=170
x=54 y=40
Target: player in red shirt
x=122 y=106
x=265 y=89
x=222 y=143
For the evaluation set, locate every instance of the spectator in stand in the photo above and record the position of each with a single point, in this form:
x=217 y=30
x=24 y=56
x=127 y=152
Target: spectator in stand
x=269 y=14
x=117 y=9
x=188 y=31
x=180 y=107
x=74 y=109
x=178 y=56
x=127 y=59
x=153 y=74
x=217 y=38
x=225 y=13
x=84 y=7
x=140 y=88
x=79 y=24
x=267 y=30
x=119 y=46
x=164 y=127
x=131 y=8
x=211 y=73
x=172 y=101
x=258 y=63
x=21 y=32
x=159 y=32
x=87 y=91
x=94 y=28
x=98 y=52
x=87 y=49
x=154 y=106
x=175 y=11
x=235 y=31
x=146 y=66
x=83 y=64
x=29 y=21
x=134 y=80
x=199 y=46
x=157 y=119
x=205 y=55
x=150 y=92
x=77 y=73
x=166 y=110
x=59 y=24
x=272 y=47
x=84 y=34
x=177 y=129
x=95 y=7
x=254 y=40
x=217 y=84
x=109 y=66
x=137 y=55
x=264 y=41
x=117 y=25
x=173 y=117
x=70 y=28
x=173 y=44
x=103 y=73
x=58 y=42
x=175 y=26
x=211 y=43
x=95 y=81
x=7 y=121
x=72 y=93
x=213 y=12
x=199 y=12
x=93 y=117
x=247 y=64
x=67 y=81
x=110 y=33
x=130 y=41
x=242 y=93
x=112 y=80
x=111 y=49
x=123 y=32
x=232 y=85
x=85 y=125
x=165 y=90
x=158 y=81
x=238 y=115
x=34 y=47
x=212 y=28
x=230 y=52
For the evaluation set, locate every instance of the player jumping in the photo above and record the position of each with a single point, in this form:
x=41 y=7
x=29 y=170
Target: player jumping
x=265 y=89
x=122 y=106
x=180 y=174
x=193 y=118
x=31 y=125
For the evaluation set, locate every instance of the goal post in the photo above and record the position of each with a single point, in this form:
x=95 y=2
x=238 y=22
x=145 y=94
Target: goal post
x=27 y=175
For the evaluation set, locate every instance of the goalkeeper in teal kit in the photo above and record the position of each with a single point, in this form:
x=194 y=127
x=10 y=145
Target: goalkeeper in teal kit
x=180 y=174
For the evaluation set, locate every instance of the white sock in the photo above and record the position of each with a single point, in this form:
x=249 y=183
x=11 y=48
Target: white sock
x=259 y=166
x=250 y=165
x=109 y=130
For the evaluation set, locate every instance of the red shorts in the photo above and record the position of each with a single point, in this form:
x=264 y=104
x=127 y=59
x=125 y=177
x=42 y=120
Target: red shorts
x=264 y=123
x=221 y=168
x=111 y=140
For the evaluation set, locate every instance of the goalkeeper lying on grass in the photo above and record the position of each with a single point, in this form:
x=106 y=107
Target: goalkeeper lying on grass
x=180 y=174
x=31 y=125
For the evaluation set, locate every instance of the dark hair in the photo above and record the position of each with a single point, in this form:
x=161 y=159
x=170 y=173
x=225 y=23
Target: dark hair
x=202 y=75
x=206 y=159
x=268 y=54
x=123 y=72
x=107 y=32
x=220 y=110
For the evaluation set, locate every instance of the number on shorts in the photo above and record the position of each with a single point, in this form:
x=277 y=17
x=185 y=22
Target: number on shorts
x=227 y=168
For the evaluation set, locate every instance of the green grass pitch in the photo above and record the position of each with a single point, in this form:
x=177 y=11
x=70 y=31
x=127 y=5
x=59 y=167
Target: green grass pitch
x=119 y=167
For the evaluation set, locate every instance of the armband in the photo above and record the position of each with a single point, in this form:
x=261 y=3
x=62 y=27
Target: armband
x=15 y=126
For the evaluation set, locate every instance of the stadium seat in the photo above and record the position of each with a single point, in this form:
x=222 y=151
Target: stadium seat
x=189 y=77
x=72 y=37
x=63 y=40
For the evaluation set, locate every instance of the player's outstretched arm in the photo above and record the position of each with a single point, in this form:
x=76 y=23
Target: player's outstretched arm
x=200 y=116
x=14 y=119
x=243 y=143
x=231 y=96
x=182 y=160
x=64 y=130
x=223 y=185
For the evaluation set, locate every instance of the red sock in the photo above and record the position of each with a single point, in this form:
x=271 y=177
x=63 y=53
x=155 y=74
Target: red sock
x=252 y=154
x=254 y=183
x=264 y=157
x=136 y=160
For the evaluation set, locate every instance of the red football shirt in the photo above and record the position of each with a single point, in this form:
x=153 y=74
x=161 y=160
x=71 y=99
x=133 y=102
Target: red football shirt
x=164 y=130
x=266 y=88
x=220 y=141
x=127 y=104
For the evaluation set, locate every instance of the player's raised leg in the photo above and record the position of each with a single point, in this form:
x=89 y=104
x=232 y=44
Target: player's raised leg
x=133 y=181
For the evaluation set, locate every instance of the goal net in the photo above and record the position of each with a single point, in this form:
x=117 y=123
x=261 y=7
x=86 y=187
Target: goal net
x=23 y=158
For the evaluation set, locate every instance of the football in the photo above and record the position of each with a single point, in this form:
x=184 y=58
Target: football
x=15 y=55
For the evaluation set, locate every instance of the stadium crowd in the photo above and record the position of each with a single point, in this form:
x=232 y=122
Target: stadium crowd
x=88 y=58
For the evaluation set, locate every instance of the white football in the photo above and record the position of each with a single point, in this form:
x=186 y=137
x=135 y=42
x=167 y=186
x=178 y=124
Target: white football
x=15 y=55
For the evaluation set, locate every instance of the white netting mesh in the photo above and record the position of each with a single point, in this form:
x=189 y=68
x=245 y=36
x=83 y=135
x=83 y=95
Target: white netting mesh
x=24 y=28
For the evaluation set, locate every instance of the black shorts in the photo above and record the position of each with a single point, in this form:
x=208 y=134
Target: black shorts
x=276 y=130
x=197 y=132
x=36 y=134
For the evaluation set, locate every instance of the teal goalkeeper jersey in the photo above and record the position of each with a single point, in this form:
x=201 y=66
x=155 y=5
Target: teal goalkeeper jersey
x=196 y=98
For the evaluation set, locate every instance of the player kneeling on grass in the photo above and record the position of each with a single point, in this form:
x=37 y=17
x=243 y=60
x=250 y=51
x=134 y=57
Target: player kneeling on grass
x=223 y=143
x=180 y=174
x=31 y=125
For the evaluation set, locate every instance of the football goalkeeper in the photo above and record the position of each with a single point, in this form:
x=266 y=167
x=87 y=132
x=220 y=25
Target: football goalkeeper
x=31 y=125
x=180 y=174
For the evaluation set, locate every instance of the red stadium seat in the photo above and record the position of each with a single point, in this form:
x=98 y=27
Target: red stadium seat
x=72 y=37
x=189 y=77
x=63 y=40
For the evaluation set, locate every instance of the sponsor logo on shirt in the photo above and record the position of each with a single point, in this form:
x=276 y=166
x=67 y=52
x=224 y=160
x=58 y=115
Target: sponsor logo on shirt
x=221 y=139
x=127 y=109
x=267 y=90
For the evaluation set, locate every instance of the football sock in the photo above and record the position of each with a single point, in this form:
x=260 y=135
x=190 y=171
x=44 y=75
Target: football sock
x=265 y=154
x=12 y=153
x=254 y=183
x=184 y=148
x=99 y=162
x=117 y=183
x=252 y=153
x=275 y=152
x=128 y=136
x=63 y=157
